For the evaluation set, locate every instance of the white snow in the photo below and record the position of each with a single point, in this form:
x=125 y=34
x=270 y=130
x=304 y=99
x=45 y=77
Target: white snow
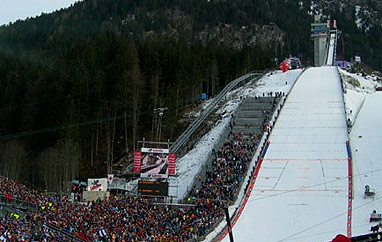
x=300 y=193
x=366 y=139
x=313 y=8
x=357 y=89
x=305 y=198
x=358 y=20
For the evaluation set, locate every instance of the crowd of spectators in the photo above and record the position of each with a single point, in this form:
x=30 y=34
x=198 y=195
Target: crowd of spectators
x=25 y=229
x=25 y=226
x=228 y=169
x=129 y=218
x=134 y=218
x=11 y=189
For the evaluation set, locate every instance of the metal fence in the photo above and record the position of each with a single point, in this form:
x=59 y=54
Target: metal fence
x=18 y=204
x=185 y=136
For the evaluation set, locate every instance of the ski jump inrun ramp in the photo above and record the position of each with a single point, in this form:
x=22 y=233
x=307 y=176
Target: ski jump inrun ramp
x=302 y=189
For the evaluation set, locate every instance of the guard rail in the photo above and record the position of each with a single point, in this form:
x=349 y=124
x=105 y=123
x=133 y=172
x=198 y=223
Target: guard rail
x=185 y=136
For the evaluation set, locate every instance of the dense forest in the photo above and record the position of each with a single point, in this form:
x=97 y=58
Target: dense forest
x=87 y=105
x=79 y=86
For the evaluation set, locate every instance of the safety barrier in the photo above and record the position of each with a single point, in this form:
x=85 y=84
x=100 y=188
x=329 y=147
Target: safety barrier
x=259 y=161
x=18 y=203
x=58 y=230
x=350 y=188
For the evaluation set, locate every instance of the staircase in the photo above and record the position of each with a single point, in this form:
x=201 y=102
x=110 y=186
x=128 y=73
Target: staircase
x=249 y=120
x=253 y=115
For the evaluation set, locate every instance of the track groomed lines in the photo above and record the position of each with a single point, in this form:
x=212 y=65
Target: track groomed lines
x=300 y=190
x=295 y=159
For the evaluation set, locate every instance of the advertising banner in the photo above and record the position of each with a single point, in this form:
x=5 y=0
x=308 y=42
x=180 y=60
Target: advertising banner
x=97 y=184
x=137 y=162
x=154 y=163
x=171 y=163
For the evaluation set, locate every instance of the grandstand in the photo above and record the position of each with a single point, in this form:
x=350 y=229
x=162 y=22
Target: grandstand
x=133 y=218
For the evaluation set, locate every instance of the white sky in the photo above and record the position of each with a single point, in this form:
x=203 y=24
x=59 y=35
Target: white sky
x=12 y=10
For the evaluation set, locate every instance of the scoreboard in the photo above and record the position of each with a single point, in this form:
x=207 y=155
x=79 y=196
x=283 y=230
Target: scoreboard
x=153 y=188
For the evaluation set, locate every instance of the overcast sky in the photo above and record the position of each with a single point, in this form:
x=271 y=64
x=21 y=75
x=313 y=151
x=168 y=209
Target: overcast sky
x=12 y=10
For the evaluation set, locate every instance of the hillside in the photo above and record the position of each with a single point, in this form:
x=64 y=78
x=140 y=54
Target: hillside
x=282 y=26
x=78 y=86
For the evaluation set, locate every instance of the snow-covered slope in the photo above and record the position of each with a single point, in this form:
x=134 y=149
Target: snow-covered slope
x=357 y=88
x=366 y=137
x=301 y=191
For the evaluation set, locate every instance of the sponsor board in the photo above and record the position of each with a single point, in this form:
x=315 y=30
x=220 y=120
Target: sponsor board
x=97 y=184
x=154 y=163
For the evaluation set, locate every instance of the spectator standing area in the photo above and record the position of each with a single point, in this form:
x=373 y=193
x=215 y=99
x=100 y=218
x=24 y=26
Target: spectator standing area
x=301 y=192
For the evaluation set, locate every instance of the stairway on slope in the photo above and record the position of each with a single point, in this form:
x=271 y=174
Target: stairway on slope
x=250 y=121
x=253 y=115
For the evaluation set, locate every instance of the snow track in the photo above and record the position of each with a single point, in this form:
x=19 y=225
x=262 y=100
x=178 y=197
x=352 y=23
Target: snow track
x=331 y=50
x=301 y=191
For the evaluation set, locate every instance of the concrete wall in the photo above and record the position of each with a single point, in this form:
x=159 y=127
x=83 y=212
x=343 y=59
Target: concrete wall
x=90 y=196
x=320 y=43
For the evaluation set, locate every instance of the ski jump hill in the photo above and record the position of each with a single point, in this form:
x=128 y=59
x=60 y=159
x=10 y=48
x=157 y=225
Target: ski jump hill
x=302 y=186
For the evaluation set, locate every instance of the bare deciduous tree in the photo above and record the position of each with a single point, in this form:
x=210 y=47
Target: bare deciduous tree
x=13 y=157
x=59 y=164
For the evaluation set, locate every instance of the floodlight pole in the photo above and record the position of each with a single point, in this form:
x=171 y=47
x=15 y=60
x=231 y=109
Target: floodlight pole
x=160 y=112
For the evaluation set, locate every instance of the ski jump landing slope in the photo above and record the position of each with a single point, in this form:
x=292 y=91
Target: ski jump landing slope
x=301 y=191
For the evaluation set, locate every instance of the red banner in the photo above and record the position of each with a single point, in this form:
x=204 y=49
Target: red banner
x=171 y=163
x=137 y=162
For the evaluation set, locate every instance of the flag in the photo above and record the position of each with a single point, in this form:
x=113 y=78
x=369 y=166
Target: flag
x=9 y=196
x=3 y=238
x=102 y=232
x=110 y=178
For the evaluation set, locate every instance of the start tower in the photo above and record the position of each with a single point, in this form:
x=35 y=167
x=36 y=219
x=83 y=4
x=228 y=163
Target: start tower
x=321 y=30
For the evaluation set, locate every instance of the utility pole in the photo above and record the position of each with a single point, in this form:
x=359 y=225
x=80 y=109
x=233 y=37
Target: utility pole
x=160 y=112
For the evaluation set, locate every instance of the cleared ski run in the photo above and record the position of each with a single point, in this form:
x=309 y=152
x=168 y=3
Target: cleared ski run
x=302 y=188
